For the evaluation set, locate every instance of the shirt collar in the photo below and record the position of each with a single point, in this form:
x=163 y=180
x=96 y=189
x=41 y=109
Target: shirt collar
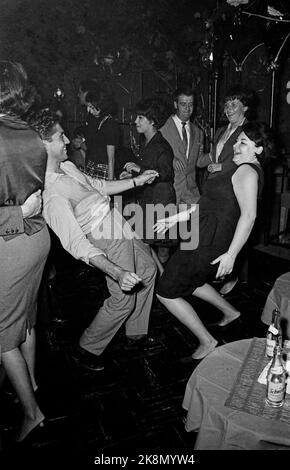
x=178 y=121
x=52 y=176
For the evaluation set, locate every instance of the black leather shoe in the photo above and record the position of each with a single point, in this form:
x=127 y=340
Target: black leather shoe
x=86 y=359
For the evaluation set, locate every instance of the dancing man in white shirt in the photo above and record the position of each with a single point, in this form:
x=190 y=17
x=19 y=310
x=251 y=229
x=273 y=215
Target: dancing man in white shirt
x=77 y=208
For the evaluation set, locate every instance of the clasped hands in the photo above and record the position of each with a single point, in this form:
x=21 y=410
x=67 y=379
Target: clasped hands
x=128 y=168
x=148 y=176
x=131 y=166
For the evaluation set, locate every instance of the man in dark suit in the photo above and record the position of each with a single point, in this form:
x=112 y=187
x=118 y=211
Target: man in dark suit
x=186 y=140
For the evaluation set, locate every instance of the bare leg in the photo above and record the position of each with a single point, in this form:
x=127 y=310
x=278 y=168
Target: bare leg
x=209 y=294
x=18 y=374
x=28 y=352
x=182 y=310
x=157 y=262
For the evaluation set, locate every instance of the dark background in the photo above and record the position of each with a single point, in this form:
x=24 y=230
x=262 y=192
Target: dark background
x=156 y=45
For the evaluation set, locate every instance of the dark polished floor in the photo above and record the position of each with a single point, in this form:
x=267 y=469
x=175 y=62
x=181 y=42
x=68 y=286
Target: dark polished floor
x=134 y=406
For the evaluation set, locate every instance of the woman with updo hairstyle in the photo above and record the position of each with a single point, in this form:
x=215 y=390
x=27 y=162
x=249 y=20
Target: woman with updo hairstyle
x=156 y=154
x=24 y=239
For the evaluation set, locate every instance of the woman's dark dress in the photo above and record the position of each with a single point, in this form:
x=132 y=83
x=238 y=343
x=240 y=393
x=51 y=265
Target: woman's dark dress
x=219 y=213
x=99 y=133
x=157 y=155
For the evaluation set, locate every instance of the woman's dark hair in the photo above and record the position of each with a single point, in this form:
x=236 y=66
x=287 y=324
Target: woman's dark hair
x=15 y=92
x=94 y=98
x=261 y=134
x=103 y=101
x=154 y=109
x=108 y=105
x=245 y=95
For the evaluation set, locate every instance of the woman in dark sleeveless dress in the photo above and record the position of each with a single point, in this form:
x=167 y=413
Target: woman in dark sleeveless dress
x=227 y=212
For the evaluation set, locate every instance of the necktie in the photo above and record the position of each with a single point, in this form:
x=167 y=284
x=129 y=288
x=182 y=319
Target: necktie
x=184 y=136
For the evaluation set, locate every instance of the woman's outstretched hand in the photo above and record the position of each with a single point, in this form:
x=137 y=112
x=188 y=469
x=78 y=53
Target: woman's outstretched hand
x=162 y=225
x=226 y=264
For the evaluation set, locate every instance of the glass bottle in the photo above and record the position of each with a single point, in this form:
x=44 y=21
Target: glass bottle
x=274 y=331
x=276 y=379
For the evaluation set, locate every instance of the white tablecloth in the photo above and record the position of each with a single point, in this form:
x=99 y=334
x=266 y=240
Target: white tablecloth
x=220 y=427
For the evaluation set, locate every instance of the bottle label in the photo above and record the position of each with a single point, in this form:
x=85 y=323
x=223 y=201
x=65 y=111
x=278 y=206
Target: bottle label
x=276 y=391
x=270 y=343
x=273 y=330
x=278 y=370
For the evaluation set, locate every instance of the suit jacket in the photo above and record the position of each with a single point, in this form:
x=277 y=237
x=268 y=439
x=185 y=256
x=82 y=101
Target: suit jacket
x=227 y=153
x=184 y=181
x=22 y=169
x=11 y=221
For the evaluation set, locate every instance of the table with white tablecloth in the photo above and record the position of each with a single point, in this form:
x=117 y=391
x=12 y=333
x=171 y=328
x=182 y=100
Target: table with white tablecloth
x=220 y=427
